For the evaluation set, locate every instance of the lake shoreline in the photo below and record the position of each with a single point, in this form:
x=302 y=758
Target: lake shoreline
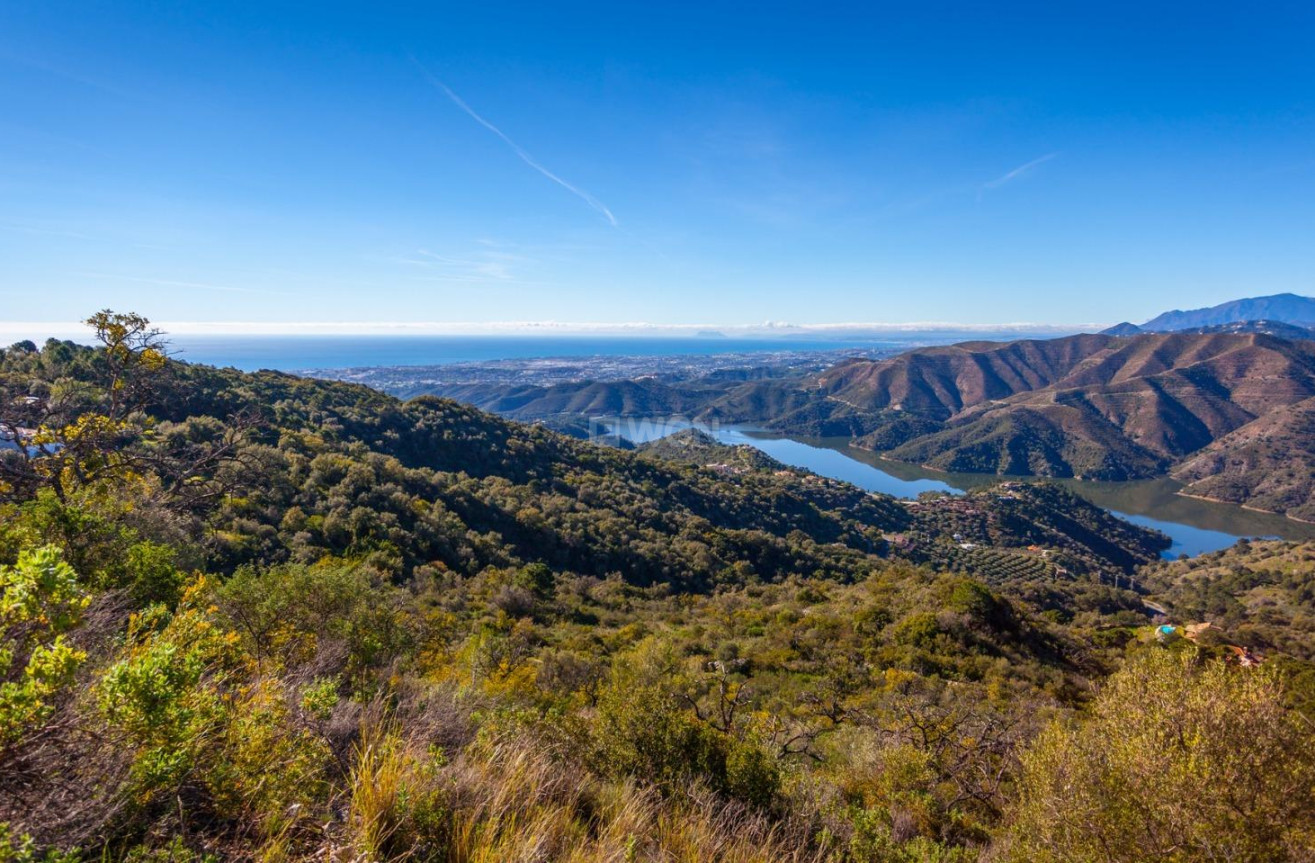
x=1246 y=506
x=1195 y=526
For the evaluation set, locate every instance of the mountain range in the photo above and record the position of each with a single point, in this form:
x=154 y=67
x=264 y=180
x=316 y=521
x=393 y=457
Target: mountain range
x=1275 y=314
x=1224 y=403
x=1230 y=414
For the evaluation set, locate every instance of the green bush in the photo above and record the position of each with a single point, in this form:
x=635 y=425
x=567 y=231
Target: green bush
x=151 y=574
x=650 y=734
x=284 y=613
x=167 y=694
x=40 y=600
x=873 y=842
x=917 y=630
x=1177 y=762
x=979 y=604
x=22 y=849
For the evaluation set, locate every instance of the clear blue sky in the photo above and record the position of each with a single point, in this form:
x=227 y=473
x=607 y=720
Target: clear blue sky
x=711 y=162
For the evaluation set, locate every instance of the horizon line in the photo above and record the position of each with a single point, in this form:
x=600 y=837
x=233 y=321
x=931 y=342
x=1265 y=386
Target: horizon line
x=769 y=329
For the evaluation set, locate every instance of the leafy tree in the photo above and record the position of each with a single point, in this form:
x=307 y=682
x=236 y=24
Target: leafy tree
x=133 y=358
x=76 y=431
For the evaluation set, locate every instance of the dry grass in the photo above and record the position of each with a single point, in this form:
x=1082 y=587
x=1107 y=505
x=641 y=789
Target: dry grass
x=384 y=780
x=512 y=802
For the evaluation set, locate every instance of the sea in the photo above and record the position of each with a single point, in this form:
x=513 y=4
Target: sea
x=305 y=352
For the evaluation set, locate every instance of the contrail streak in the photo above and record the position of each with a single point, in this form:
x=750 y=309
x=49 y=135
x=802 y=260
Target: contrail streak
x=1018 y=172
x=517 y=148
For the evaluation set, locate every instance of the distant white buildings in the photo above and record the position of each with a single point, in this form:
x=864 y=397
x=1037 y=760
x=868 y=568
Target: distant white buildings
x=12 y=437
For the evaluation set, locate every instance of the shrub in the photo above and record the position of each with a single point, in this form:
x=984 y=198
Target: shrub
x=285 y=613
x=21 y=849
x=165 y=695
x=872 y=841
x=1178 y=762
x=917 y=630
x=265 y=769
x=647 y=732
x=40 y=600
x=151 y=574
x=979 y=604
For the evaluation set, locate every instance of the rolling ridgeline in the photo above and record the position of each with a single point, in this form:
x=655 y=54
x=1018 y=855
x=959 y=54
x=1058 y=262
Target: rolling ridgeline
x=262 y=617
x=1229 y=414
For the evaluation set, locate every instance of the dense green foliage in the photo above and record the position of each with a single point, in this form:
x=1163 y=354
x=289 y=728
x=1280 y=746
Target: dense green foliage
x=261 y=617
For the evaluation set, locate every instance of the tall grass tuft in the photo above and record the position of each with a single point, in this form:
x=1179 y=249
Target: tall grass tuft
x=381 y=781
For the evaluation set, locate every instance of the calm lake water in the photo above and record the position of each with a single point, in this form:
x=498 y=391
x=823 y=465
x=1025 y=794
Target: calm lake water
x=1195 y=526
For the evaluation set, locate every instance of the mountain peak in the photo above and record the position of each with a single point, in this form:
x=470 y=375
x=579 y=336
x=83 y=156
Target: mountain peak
x=1284 y=308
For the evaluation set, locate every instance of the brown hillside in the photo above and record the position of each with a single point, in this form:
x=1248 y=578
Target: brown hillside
x=1254 y=371
x=1101 y=407
x=1268 y=464
x=942 y=381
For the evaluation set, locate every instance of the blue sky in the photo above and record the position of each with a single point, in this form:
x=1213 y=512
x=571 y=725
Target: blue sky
x=670 y=163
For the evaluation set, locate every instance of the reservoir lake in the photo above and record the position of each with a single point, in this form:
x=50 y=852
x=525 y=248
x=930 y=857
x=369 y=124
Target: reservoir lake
x=1195 y=526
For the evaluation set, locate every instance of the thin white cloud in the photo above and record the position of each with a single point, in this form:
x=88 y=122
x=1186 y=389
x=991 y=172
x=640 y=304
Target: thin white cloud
x=66 y=74
x=51 y=232
x=517 y=148
x=484 y=266
x=444 y=259
x=1018 y=172
x=170 y=283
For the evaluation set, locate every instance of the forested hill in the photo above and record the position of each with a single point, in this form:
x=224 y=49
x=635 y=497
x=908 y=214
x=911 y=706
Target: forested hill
x=269 y=467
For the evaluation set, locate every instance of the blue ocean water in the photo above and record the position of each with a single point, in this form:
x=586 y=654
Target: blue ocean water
x=295 y=353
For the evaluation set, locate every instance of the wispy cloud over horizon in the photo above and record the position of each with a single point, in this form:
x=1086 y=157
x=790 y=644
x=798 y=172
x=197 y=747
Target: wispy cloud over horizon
x=520 y=151
x=48 y=232
x=490 y=266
